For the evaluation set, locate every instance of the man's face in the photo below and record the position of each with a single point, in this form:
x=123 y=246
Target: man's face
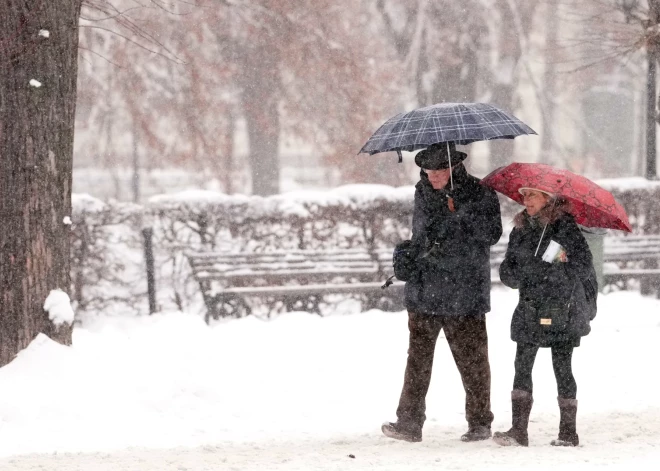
x=438 y=178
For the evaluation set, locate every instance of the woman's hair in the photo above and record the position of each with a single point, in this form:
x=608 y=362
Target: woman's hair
x=554 y=209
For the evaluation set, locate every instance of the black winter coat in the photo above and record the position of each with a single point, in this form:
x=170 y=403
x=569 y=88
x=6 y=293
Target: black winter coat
x=452 y=275
x=553 y=305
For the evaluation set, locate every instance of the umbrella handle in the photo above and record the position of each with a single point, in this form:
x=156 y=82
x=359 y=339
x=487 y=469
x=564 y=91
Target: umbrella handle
x=451 y=176
x=545 y=227
x=539 y=244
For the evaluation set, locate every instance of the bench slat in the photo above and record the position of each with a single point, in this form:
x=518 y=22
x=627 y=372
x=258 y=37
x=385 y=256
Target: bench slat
x=325 y=265
x=285 y=276
x=281 y=264
x=336 y=288
x=226 y=277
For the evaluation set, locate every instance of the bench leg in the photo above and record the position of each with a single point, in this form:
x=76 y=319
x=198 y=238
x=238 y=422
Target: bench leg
x=370 y=301
x=221 y=306
x=647 y=286
x=306 y=302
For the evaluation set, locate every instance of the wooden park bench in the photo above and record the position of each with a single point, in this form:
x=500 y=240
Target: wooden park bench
x=626 y=258
x=236 y=284
x=632 y=258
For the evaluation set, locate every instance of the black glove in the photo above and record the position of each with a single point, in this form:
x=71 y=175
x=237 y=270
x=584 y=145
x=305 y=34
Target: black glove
x=533 y=268
x=404 y=260
x=537 y=270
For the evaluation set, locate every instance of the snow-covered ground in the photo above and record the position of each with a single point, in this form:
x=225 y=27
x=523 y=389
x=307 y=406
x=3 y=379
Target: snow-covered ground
x=306 y=393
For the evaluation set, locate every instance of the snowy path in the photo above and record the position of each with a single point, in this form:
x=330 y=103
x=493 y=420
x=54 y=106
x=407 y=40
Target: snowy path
x=625 y=444
x=304 y=393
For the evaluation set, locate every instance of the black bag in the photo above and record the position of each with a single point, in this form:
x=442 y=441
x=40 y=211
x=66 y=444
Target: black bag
x=404 y=260
x=591 y=293
x=550 y=317
x=554 y=318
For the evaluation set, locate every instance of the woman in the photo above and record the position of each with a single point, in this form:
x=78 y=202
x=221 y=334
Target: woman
x=554 y=310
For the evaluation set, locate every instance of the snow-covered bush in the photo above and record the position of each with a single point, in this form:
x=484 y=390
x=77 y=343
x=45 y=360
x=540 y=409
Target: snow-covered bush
x=106 y=257
x=108 y=267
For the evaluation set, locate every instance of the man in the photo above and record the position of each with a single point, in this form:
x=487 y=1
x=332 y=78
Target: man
x=455 y=221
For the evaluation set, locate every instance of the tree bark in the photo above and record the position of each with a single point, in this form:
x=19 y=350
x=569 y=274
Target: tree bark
x=450 y=78
x=38 y=69
x=455 y=72
x=261 y=95
x=517 y=17
x=651 y=114
x=549 y=84
x=653 y=48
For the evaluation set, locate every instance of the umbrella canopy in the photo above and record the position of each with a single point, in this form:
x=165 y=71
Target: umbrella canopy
x=590 y=204
x=462 y=123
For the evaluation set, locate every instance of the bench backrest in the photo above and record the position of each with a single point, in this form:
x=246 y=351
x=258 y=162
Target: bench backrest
x=633 y=247
x=263 y=268
x=240 y=269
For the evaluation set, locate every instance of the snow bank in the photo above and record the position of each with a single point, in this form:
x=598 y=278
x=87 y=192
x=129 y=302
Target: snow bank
x=628 y=184
x=84 y=202
x=58 y=307
x=302 y=392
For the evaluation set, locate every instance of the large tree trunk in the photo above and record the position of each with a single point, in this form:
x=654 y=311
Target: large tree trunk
x=261 y=94
x=517 y=17
x=548 y=135
x=455 y=72
x=652 y=118
x=38 y=68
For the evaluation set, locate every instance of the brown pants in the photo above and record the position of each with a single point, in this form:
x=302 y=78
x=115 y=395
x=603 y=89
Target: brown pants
x=468 y=342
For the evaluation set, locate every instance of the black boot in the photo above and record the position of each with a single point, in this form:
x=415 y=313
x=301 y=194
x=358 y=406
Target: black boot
x=476 y=433
x=567 y=434
x=400 y=431
x=521 y=406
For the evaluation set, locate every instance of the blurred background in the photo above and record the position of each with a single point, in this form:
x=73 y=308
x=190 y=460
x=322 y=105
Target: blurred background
x=269 y=96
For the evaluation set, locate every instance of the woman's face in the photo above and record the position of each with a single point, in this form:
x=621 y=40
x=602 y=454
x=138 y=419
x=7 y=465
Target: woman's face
x=534 y=201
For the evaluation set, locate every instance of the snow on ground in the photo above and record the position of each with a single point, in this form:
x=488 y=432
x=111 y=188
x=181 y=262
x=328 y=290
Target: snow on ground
x=303 y=393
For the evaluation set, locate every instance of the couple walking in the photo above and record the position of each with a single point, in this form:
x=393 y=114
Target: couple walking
x=447 y=269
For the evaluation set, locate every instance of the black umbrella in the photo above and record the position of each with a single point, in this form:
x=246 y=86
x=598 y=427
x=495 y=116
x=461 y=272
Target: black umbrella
x=462 y=123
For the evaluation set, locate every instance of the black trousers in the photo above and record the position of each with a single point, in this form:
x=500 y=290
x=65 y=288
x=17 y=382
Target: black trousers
x=561 y=363
x=468 y=342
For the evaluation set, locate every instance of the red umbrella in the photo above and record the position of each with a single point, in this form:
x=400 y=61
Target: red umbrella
x=591 y=205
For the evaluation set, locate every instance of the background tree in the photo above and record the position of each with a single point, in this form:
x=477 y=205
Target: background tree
x=283 y=60
x=614 y=33
x=268 y=63
x=452 y=56
x=38 y=68
x=438 y=46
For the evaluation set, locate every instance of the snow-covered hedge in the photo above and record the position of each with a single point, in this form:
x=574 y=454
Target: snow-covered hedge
x=106 y=257
x=107 y=247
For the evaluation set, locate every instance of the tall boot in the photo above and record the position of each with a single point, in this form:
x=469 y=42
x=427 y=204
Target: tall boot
x=521 y=406
x=567 y=412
